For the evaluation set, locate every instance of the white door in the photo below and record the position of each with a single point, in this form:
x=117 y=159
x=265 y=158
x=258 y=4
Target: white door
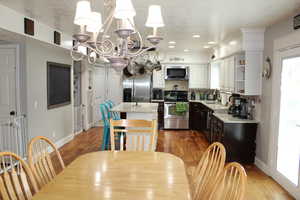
x=100 y=88
x=12 y=127
x=115 y=89
x=7 y=82
x=287 y=162
x=78 y=114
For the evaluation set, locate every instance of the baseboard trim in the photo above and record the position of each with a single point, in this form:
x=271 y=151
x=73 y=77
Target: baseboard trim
x=64 y=140
x=78 y=132
x=262 y=166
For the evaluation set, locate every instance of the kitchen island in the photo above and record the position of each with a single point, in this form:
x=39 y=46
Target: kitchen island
x=139 y=111
x=145 y=111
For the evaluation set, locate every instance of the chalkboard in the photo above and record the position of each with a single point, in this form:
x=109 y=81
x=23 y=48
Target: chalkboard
x=58 y=85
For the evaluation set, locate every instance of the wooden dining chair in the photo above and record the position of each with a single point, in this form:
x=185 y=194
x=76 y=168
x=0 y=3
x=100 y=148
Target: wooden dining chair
x=209 y=168
x=16 y=179
x=41 y=154
x=133 y=135
x=231 y=185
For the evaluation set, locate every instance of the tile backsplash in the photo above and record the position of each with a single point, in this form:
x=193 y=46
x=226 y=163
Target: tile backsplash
x=182 y=85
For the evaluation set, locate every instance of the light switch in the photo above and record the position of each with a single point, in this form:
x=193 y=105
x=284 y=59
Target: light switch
x=35 y=105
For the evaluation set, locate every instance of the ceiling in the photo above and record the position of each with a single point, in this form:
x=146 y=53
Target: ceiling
x=213 y=20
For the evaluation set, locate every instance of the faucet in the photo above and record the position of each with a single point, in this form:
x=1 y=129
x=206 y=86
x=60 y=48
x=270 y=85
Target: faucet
x=136 y=103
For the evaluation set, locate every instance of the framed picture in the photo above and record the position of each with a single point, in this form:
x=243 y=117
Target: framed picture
x=297 y=22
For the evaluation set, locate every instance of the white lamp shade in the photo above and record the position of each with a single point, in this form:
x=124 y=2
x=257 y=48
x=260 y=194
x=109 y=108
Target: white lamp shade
x=124 y=9
x=95 y=23
x=83 y=10
x=155 y=19
x=126 y=23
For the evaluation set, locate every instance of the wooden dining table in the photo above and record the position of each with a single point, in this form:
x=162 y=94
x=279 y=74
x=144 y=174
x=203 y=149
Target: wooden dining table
x=120 y=176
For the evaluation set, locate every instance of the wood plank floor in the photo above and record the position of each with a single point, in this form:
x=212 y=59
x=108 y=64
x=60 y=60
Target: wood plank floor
x=189 y=146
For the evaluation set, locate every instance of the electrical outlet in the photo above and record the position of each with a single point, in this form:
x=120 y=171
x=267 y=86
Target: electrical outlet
x=53 y=134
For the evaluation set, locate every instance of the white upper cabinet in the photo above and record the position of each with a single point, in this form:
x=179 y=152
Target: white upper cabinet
x=227 y=77
x=198 y=76
x=215 y=72
x=159 y=79
x=241 y=72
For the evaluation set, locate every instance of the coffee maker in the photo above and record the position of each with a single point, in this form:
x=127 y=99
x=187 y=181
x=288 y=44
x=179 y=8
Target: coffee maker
x=239 y=107
x=243 y=113
x=234 y=102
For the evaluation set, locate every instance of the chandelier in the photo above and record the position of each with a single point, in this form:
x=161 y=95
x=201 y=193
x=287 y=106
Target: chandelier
x=129 y=43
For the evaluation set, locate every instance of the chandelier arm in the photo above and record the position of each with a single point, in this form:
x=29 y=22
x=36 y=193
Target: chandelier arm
x=140 y=39
x=107 y=25
x=73 y=50
x=110 y=49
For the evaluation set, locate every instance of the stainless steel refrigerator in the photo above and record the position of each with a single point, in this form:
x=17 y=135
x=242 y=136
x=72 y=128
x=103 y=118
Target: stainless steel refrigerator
x=137 y=89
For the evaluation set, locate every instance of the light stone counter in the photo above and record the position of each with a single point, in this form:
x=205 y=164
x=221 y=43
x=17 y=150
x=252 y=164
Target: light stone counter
x=133 y=108
x=213 y=106
x=226 y=118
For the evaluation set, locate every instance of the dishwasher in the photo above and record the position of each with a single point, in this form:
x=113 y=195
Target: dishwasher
x=173 y=119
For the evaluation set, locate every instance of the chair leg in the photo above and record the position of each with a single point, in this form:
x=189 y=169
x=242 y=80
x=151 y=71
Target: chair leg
x=106 y=138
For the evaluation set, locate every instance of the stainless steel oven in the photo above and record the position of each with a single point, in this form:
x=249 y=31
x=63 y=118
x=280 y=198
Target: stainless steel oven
x=176 y=73
x=173 y=119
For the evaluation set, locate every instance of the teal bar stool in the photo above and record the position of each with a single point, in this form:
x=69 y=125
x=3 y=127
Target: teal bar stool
x=106 y=116
x=114 y=115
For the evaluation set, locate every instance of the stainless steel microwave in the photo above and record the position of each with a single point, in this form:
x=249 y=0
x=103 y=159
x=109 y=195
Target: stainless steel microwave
x=176 y=73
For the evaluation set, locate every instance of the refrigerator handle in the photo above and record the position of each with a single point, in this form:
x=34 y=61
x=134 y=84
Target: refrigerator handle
x=133 y=91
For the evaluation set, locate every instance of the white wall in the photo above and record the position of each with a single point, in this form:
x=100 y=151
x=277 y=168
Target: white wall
x=263 y=141
x=42 y=32
x=42 y=121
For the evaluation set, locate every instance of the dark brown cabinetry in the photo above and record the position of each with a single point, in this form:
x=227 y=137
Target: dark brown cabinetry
x=195 y=116
x=238 y=139
x=199 y=116
x=160 y=115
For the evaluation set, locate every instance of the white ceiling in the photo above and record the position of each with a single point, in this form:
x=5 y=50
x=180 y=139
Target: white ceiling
x=214 y=20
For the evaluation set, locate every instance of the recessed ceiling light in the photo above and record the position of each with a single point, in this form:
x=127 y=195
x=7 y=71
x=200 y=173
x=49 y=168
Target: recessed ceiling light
x=206 y=47
x=233 y=42
x=172 y=42
x=212 y=42
x=186 y=50
x=172 y=47
x=196 y=36
x=106 y=36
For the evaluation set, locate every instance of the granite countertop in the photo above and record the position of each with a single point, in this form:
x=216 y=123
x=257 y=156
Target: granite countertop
x=212 y=106
x=140 y=108
x=157 y=100
x=226 y=118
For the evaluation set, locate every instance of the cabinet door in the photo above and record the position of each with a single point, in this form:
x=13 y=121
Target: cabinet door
x=231 y=72
x=215 y=71
x=198 y=76
x=203 y=76
x=222 y=75
x=158 y=79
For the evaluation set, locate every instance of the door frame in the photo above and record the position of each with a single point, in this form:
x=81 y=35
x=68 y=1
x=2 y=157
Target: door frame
x=284 y=44
x=18 y=75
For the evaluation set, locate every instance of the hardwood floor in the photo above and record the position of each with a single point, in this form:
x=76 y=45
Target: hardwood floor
x=188 y=145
